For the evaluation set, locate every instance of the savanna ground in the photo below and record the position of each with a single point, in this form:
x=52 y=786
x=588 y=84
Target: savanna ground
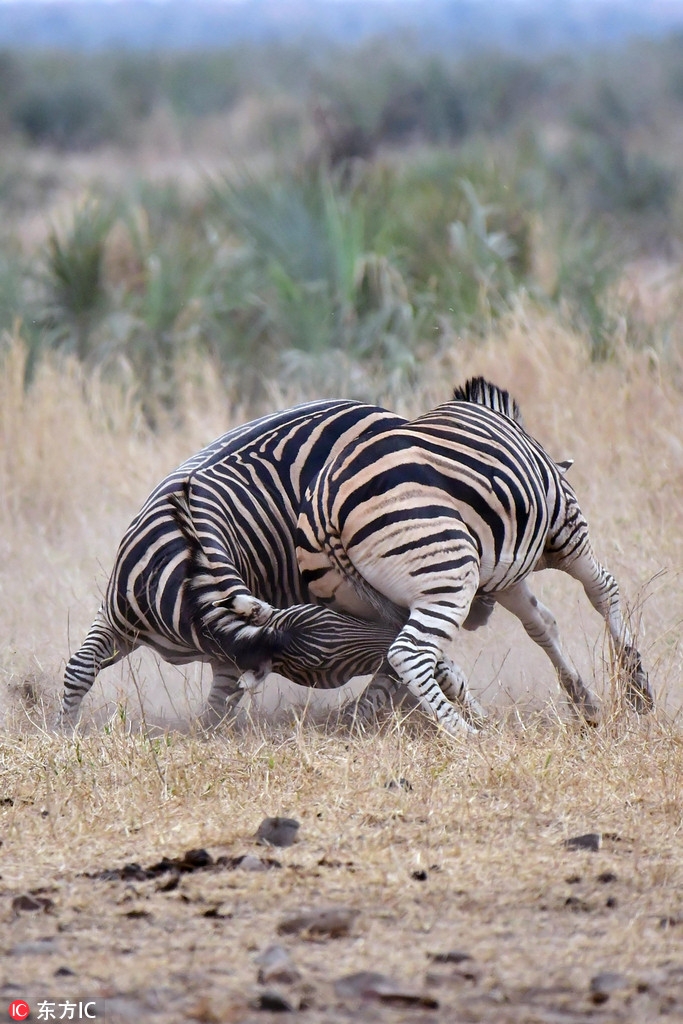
x=438 y=847
x=469 y=859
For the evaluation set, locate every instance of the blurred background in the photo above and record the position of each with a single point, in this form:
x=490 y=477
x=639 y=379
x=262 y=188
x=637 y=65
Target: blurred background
x=285 y=180
x=208 y=209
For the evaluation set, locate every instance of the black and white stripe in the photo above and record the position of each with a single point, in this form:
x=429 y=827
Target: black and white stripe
x=425 y=525
x=207 y=570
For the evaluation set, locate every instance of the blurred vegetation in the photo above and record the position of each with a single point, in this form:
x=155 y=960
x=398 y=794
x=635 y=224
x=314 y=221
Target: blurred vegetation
x=381 y=202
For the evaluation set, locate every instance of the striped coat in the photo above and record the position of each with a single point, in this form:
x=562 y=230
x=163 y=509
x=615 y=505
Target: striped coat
x=426 y=525
x=207 y=570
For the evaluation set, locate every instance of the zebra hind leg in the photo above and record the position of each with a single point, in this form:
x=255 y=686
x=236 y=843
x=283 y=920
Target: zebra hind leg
x=102 y=647
x=379 y=697
x=440 y=605
x=539 y=623
x=415 y=663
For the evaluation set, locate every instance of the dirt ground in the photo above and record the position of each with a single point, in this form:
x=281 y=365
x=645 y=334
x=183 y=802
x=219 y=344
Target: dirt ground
x=451 y=858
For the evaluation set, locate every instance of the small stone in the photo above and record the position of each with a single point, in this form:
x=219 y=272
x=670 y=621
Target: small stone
x=64 y=972
x=37 y=947
x=277 y=831
x=589 y=841
x=605 y=877
x=170 y=883
x=577 y=904
x=419 y=876
x=603 y=985
x=463 y=968
x=216 y=912
x=194 y=859
x=330 y=922
x=31 y=904
x=129 y=872
x=275 y=965
x=372 y=985
x=274 y=1002
x=251 y=863
x=453 y=956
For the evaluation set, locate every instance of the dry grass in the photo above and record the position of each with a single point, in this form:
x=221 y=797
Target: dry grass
x=485 y=820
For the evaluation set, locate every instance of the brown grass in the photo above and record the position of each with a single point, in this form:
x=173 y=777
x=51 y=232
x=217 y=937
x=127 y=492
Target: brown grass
x=485 y=819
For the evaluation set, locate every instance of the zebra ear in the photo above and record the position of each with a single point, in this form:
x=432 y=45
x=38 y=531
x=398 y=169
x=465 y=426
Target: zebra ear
x=564 y=465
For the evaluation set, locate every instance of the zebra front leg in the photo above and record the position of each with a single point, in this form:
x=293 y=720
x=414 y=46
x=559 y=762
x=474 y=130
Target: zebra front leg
x=602 y=591
x=102 y=647
x=224 y=695
x=453 y=682
x=540 y=624
x=382 y=693
x=378 y=697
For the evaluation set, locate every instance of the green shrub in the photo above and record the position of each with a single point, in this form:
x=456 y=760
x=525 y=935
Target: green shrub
x=73 y=280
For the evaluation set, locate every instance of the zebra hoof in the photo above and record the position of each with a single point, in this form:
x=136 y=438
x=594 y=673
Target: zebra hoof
x=583 y=701
x=589 y=711
x=475 y=714
x=359 y=715
x=220 y=713
x=459 y=729
x=639 y=696
x=65 y=723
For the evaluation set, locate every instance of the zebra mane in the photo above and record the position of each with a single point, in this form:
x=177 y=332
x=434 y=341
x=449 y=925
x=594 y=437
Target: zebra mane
x=482 y=392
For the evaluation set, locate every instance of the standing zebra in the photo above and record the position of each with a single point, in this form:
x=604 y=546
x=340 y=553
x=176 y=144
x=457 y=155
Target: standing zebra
x=440 y=518
x=207 y=570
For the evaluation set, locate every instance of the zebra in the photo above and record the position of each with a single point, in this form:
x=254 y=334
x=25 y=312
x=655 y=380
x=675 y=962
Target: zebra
x=207 y=571
x=427 y=525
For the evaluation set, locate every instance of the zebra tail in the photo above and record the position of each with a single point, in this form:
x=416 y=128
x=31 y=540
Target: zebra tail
x=228 y=619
